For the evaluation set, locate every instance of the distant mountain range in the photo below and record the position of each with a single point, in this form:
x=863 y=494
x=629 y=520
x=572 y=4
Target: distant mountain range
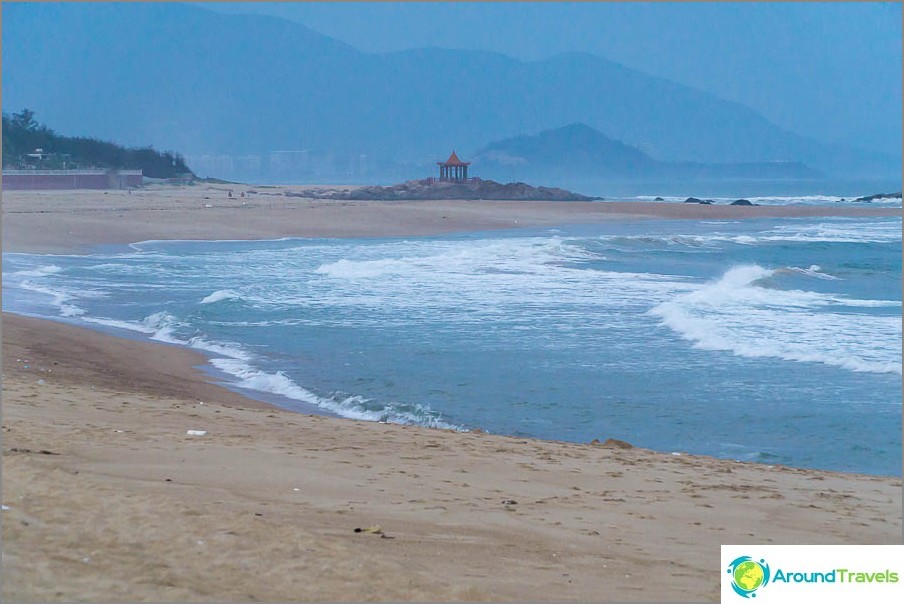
x=572 y=152
x=239 y=89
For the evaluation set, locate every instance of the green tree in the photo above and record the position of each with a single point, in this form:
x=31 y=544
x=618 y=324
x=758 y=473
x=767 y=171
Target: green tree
x=22 y=134
x=25 y=120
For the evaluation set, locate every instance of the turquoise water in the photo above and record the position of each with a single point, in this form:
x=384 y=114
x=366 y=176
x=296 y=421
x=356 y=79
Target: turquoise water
x=774 y=340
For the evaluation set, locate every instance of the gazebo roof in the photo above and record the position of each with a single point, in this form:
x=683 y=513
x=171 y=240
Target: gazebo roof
x=453 y=161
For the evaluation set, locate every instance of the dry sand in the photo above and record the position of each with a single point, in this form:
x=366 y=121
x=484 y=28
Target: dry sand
x=63 y=221
x=110 y=499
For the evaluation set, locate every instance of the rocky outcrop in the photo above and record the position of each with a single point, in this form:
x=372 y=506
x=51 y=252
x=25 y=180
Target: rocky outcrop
x=475 y=188
x=742 y=202
x=695 y=200
x=880 y=196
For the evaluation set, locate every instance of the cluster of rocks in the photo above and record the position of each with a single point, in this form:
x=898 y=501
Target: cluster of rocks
x=877 y=196
x=736 y=202
x=474 y=188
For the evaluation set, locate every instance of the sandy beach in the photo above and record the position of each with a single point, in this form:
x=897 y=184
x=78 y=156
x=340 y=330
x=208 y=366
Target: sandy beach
x=67 y=221
x=110 y=499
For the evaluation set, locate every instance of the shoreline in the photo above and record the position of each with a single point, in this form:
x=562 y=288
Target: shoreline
x=97 y=459
x=187 y=373
x=77 y=221
x=107 y=360
x=110 y=498
x=202 y=378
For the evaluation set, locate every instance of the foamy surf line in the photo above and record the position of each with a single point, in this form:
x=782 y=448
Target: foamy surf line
x=348 y=406
x=233 y=365
x=515 y=333
x=738 y=313
x=139 y=245
x=234 y=362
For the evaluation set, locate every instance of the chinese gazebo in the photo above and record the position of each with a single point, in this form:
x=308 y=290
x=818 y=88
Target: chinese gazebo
x=453 y=169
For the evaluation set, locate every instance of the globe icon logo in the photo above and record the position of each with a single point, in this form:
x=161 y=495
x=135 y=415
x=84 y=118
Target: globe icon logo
x=748 y=575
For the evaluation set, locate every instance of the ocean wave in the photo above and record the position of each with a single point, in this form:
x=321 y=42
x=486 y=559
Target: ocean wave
x=40 y=271
x=126 y=325
x=163 y=327
x=221 y=294
x=813 y=271
x=158 y=326
x=841 y=231
x=233 y=351
x=235 y=361
x=59 y=297
x=737 y=313
x=515 y=256
x=140 y=246
x=353 y=407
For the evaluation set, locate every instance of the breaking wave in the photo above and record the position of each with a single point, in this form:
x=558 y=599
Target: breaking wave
x=739 y=313
x=350 y=406
x=221 y=294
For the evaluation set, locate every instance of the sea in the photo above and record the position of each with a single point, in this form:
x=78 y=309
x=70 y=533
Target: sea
x=768 y=340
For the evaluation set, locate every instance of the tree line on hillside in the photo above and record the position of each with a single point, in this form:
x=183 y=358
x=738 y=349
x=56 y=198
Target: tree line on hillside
x=23 y=136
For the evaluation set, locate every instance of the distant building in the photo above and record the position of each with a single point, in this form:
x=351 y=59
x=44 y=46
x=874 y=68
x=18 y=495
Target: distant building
x=248 y=166
x=453 y=169
x=290 y=164
x=25 y=180
x=220 y=166
x=38 y=154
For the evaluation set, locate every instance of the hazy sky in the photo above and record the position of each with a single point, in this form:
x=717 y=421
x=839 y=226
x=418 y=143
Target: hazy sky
x=827 y=70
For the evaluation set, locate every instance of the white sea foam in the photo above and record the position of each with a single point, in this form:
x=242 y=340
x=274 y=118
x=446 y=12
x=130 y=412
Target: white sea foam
x=471 y=258
x=841 y=231
x=145 y=243
x=737 y=314
x=837 y=231
x=473 y=282
x=233 y=351
x=527 y=334
x=162 y=325
x=59 y=297
x=814 y=271
x=221 y=294
x=40 y=271
x=354 y=407
x=127 y=325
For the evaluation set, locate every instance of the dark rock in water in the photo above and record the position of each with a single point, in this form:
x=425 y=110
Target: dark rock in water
x=695 y=200
x=742 y=202
x=879 y=196
x=659 y=199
